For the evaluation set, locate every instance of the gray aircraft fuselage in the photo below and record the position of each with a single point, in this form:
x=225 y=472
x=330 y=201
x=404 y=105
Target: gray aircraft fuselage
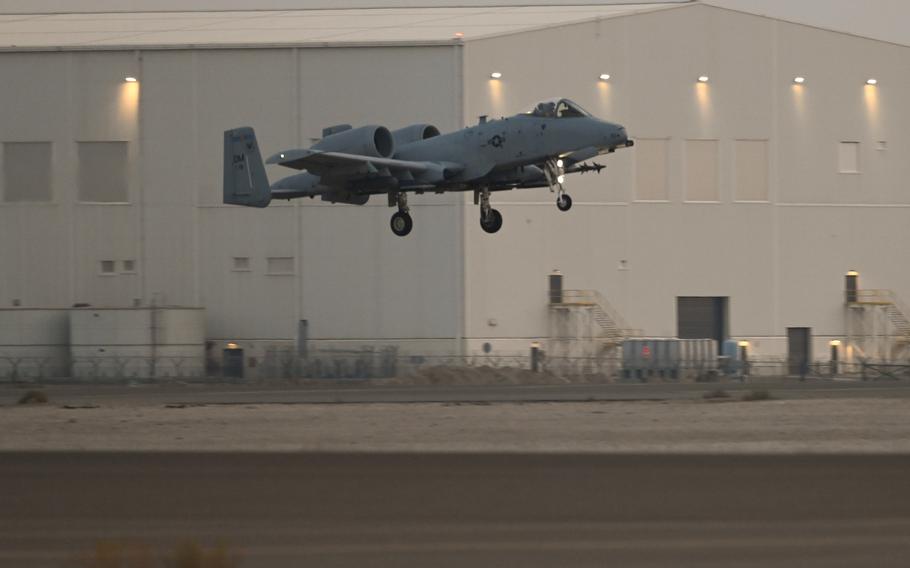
x=493 y=153
x=348 y=165
x=519 y=140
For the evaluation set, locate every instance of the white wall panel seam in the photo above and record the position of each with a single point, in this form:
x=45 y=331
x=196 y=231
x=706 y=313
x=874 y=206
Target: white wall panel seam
x=774 y=165
x=71 y=189
x=137 y=181
x=460 y=111
x=298 y=221
x=197 y=255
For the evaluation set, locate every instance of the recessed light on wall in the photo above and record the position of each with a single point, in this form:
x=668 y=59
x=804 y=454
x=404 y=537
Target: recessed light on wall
x=459 y=35
x=872 y=81
x=495 y=75
x=703 y=79
x=799 y=80
x=130 y=79
x=604 y=76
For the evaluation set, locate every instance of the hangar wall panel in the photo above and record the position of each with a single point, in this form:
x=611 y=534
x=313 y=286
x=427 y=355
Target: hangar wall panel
x=43 y=271
x=767 y=242
x=281 y=93
x=815 y=258
x=27 y=168
x=102 y=107
x=103 y=176
x=250 y=305
x=241 y=88
x=170 y=173
x=751 y=170
x=35 y=83
x=651 y=176
x=169 y=240
x=836 y=105
x=105 y=232
x=701 y=170
x=783 y=223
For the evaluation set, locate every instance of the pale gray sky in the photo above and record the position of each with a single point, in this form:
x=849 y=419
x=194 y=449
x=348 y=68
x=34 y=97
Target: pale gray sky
x=882 y=19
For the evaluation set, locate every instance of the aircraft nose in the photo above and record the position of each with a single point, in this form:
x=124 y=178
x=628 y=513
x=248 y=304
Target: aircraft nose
x=616 y=136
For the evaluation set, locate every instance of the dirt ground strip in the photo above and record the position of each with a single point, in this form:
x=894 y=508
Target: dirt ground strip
x=841 y=425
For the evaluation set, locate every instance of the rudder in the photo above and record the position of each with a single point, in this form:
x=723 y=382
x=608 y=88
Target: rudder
x=245 y=181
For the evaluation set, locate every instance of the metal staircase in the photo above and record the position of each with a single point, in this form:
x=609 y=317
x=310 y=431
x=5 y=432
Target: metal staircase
x=877 y=324
x=899 y=318
x=896 y=311
x=612 y=327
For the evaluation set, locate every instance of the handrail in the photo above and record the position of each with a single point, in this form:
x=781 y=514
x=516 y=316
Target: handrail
x=595 y=298
x=884 y=297
x=871 y=296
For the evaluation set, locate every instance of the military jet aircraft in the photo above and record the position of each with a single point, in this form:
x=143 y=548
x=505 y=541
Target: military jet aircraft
x=348 y=165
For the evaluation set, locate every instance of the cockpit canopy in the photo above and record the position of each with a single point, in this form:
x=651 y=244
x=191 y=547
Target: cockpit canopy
x=558 y=108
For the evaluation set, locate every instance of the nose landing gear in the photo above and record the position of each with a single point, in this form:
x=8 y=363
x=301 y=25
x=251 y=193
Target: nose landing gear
x=402 y=223
x=492 y=222
x=490 y=219
x=553 y=171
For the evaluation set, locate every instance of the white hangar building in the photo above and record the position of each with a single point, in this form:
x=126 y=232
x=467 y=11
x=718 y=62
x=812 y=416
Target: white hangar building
x=771 y=158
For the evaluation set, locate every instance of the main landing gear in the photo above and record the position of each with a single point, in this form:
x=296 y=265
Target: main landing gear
x=401 y=222
x=490 y=219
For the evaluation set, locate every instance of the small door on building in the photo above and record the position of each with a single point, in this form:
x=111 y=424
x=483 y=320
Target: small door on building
x=702 y=317
x=799 y=343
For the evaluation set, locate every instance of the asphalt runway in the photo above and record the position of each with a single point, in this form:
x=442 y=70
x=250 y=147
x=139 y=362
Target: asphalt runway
x=457 y=510
x=354 y=392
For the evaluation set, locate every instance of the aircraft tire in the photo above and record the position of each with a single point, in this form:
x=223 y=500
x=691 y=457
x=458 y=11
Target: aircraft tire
x=401 y=223
x=492 y=223
x=564 y=202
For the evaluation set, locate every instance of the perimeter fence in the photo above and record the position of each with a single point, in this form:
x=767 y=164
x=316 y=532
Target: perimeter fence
x=100 y=369
x=388 y=364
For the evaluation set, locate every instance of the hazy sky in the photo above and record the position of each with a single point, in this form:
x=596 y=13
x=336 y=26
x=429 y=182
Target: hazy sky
x=883 y=19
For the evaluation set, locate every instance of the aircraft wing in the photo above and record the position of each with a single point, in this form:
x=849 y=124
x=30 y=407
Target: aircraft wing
x=320 y=163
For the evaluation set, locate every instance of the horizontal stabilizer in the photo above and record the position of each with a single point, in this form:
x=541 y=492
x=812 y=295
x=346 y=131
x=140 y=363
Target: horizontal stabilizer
x=328 y=131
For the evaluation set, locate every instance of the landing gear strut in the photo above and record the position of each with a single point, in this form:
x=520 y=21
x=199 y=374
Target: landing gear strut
x=553 y=172
x=490 y=219
x=401 y=222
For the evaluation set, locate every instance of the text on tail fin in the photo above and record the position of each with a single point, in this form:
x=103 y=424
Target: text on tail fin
x=245 y=181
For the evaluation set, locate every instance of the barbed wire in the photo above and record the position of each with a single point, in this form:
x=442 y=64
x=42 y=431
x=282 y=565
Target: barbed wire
x=388 y=363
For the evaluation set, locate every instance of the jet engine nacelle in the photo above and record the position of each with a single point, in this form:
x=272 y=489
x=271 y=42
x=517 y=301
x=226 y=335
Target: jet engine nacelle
x=414 y=133
x=370 y=140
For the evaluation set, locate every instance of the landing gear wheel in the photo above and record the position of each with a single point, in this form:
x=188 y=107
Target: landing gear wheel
x=564 y=202
x=401 y=223
x=492 y=222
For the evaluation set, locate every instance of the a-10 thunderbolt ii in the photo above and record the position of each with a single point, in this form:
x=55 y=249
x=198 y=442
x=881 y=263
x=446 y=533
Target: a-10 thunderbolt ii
x=348 y=165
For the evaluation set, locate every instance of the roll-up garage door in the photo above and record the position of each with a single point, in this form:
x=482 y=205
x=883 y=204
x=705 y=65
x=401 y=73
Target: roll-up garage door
x=702 y=317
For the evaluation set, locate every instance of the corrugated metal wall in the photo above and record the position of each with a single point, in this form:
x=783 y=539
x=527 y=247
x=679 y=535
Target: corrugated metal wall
x=172 y=242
